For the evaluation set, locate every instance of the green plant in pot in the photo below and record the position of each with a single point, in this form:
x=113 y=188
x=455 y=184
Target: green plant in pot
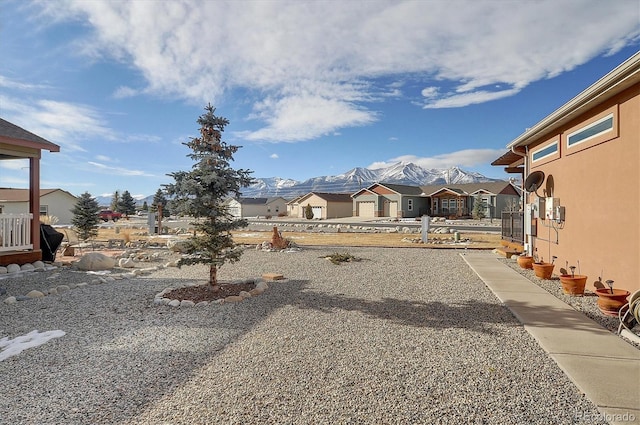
x=610 y=300
x=573 y=284
x=544 y=270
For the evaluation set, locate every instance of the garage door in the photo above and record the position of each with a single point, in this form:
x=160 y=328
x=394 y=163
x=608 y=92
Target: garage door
x=317 y=212
x=366 y=209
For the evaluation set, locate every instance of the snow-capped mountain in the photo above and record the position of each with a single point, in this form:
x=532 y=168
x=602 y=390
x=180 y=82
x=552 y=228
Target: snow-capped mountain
x=406 y=173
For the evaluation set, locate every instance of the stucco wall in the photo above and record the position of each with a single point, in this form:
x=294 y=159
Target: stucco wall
x=599 y=187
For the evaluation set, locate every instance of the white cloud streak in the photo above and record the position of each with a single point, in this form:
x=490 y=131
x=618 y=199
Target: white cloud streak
x=463 y=158
x=308 y=68
x=118 y=170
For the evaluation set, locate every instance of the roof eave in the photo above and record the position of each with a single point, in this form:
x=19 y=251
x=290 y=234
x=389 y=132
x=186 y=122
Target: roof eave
x=619 y=79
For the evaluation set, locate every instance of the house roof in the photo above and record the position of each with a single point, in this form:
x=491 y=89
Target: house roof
x=329 y=197
x=619 y=79
x=467 y=188
x=15 y=135
x=401 y=188
x=509 y=158
x=22 y=195
x=259 y=201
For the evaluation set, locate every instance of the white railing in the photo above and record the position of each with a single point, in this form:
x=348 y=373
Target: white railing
x=15 y=232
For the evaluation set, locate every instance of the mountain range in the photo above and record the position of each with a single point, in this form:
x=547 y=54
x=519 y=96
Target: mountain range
x=406 y=173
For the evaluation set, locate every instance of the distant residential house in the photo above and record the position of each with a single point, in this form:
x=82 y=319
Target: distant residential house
x=257 y=207
x=325 y=205
x=389 y=200
x=584 y=212
x=458 y=200
x=20 y=234
x=53 y=202
x=448 y=200
x=293 y=207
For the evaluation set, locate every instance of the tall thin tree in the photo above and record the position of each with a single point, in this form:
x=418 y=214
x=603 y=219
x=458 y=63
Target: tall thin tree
x=201 y=194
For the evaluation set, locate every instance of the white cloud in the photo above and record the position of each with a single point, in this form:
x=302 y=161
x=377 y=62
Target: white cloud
x=123 y=92
x=463 y=158
x=119 y=170
x=315 y=64
x=64 y=124
x=274 y=156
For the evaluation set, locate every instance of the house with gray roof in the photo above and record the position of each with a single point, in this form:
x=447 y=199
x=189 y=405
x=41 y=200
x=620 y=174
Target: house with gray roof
x=257 y=207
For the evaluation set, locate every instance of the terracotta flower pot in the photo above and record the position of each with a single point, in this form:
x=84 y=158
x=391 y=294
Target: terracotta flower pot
x=525 y=261
x=573 y=285
x=608 y=303
x=543 y=270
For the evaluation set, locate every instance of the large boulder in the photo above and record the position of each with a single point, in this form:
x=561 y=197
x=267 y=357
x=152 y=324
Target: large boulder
x=94 y=261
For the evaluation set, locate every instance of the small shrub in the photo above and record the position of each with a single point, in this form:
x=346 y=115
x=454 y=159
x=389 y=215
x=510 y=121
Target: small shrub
x=308 y=212
x=338 y=258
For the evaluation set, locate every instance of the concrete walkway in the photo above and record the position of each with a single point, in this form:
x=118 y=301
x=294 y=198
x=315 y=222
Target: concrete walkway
x=603 y=366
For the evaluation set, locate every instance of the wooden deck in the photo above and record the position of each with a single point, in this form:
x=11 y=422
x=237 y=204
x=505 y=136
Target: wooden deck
x=20 y=257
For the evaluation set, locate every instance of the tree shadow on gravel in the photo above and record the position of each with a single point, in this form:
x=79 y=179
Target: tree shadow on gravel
x=471 y=315
x=118 y=358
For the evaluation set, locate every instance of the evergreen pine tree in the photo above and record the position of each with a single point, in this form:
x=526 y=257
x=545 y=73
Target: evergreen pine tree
x=160 y=199
x=308 y=212
x=201 y=192
x=115 y=201
x=145 y=207
x=478 y=207
x=85 y=217
x=127 y=204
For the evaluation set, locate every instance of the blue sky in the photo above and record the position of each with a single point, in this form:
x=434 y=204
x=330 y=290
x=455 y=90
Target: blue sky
x=310 y=88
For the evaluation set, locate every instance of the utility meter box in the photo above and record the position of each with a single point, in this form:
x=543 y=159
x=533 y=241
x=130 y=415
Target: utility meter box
x=538 y=208
x=551 y=208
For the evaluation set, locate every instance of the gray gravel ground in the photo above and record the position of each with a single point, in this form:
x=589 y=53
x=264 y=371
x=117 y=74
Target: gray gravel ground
x=403 y=336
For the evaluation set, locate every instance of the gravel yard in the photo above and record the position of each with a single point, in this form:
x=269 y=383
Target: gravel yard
x=403 y=336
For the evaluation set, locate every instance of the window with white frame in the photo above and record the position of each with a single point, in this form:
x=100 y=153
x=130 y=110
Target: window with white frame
x=44 y=210
x=545 y=152
x=590 y=131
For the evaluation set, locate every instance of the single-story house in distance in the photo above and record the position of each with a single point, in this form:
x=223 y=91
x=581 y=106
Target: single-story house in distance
x=389 y=200
x=586 y=158
x=325 y=205
x=257 y=207
x=293 y=207
x=53 y=202
x=20 y=235
x=458 y=200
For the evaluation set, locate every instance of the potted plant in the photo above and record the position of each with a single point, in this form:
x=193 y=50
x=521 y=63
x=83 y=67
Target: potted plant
x=543 y=270
x=573 y=284
x=610 y=300
x=525 y=261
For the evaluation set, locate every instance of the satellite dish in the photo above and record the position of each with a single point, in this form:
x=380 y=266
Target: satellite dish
x=534 y=181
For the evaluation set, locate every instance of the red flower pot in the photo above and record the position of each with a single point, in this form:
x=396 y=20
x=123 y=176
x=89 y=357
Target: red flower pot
x=573 y=285
x=610 y=303
x=543 y=270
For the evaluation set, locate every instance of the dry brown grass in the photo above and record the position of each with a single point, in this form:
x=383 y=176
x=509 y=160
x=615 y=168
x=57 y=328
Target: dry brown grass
x=479 y=240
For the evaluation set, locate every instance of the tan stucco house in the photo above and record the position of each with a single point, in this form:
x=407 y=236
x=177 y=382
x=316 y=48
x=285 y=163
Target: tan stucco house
x=586 y=207
x=53 y=202
x=20 y=234
x=325 y=205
